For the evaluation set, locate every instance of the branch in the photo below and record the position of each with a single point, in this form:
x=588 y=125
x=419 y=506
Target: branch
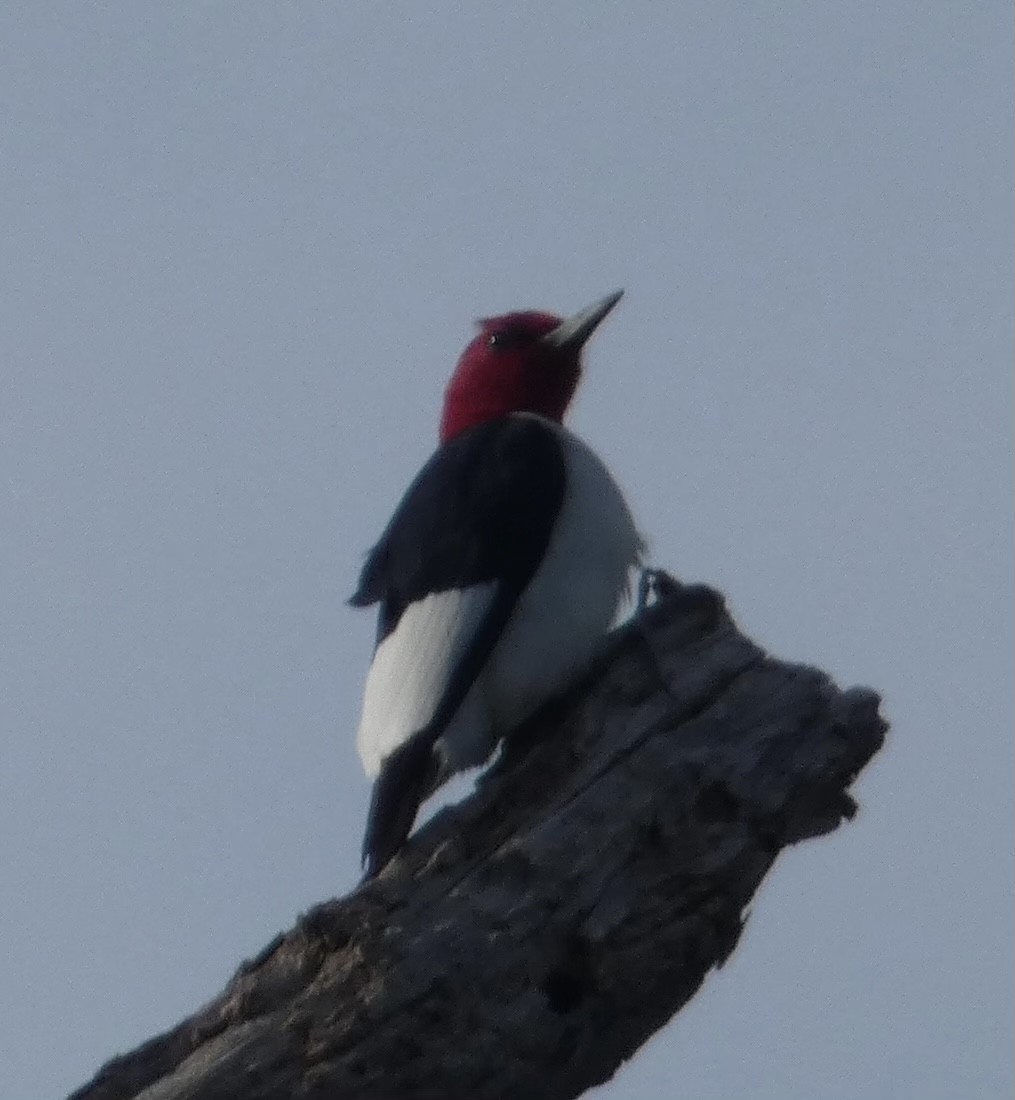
x=532 y=937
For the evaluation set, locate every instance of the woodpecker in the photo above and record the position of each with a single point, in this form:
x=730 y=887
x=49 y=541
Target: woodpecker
x=503 y=566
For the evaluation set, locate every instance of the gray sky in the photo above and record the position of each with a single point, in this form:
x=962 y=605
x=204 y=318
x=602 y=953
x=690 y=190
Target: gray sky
x=244 y=244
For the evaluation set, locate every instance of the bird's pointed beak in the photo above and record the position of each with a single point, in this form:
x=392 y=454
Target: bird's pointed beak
x=573 y=331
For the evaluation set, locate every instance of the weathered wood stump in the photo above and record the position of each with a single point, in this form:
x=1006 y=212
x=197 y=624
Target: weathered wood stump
x=532 y=937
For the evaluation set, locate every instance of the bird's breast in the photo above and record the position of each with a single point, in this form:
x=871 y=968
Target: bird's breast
x=574 y=595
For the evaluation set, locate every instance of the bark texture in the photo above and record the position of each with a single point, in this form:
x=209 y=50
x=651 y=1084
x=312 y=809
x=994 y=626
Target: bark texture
x=531 y=938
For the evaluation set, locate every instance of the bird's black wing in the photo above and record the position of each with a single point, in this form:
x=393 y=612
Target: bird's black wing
x=481 y=510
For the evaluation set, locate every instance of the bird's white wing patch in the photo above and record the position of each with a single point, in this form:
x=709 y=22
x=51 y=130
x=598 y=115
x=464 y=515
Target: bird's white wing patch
x=412 y=666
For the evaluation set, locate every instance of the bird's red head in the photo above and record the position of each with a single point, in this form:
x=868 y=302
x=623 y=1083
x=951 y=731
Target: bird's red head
x=519 y=362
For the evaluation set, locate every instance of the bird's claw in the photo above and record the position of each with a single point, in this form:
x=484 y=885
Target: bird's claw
x=654 y=585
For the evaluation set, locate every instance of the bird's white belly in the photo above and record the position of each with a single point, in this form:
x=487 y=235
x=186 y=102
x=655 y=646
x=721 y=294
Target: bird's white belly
x=574 y=597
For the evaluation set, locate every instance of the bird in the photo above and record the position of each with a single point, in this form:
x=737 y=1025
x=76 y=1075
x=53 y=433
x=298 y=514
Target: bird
x=502 y=568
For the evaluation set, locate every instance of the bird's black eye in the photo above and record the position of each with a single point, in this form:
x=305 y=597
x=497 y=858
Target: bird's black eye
x=502 y=338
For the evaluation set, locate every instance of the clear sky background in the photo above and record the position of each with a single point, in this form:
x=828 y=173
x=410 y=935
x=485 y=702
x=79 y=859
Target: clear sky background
x=243 y=245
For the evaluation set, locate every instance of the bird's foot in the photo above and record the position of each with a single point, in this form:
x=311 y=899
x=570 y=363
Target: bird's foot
x=655 y=585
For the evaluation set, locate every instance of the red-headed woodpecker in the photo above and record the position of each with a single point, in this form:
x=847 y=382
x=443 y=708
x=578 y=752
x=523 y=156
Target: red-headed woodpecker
x=498 y=575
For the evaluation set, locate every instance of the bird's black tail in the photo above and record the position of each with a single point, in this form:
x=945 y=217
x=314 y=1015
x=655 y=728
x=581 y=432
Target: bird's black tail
x=407 y=776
